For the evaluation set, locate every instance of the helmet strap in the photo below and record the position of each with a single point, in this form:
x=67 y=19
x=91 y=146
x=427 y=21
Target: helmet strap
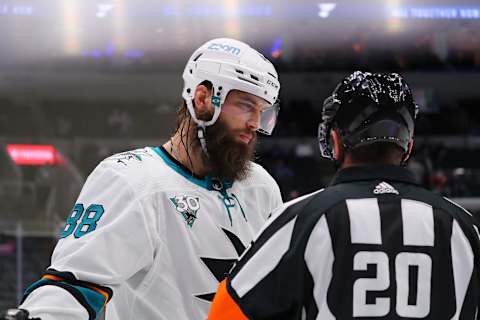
x=201 y=124
x=337 y=146
x=339 y=160
x=406 y=155
x=201 y=127
x=202 y=138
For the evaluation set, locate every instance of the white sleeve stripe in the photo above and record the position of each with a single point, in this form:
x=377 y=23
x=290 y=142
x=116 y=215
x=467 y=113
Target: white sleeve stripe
x=264 y=260
x=466 y=211
x=319 y=259
x=458 y=205
x=462 y=264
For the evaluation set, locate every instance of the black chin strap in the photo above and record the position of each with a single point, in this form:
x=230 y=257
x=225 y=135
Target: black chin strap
x=338 y=162
x=406 y=155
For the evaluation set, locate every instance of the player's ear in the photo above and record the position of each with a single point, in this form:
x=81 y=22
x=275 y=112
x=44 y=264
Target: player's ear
x=336 y=144
x=203 y=102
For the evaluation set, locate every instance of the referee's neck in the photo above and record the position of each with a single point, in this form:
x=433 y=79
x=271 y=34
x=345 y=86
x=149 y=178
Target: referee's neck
x=349 y=162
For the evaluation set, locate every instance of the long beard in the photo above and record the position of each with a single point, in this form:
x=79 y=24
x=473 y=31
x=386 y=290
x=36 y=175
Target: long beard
x=228 y=158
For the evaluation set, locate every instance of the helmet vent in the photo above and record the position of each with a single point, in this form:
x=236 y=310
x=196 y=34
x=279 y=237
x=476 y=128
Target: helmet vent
x=239 y=71
x=263 y=57
x=247 y=80
x=196 y=58
x=254 y=77
x=272 y=75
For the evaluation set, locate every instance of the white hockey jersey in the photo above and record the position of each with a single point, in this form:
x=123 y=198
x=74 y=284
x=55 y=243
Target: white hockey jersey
x=158 y=237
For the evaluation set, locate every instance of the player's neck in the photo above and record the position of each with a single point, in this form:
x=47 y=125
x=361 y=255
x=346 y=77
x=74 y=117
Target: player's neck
x=187 y=154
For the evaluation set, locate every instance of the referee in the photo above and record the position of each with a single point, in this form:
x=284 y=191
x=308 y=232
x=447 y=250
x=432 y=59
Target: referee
x=373 y=244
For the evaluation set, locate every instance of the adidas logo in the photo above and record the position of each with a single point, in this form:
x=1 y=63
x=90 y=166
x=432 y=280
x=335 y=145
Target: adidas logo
x=384 y=187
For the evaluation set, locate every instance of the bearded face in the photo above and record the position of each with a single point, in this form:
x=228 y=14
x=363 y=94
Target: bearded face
x=228 y=157
x=231 y=140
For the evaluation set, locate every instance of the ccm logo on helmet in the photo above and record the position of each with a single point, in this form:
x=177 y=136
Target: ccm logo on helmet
x=273 y=84
x=224 y=47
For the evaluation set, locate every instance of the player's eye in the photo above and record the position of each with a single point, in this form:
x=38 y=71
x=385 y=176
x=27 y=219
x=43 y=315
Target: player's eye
x=245 y=106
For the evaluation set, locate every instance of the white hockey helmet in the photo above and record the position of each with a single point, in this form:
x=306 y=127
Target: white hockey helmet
x=231 y=64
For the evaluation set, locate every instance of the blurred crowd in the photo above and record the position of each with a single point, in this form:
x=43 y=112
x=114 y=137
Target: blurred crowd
x=392 y=44
x=431 y=46
x=298 y=118
x=452 y=172
x=290 y=155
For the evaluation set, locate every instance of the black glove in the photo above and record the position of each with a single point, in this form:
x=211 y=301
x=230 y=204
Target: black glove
x=16 y=314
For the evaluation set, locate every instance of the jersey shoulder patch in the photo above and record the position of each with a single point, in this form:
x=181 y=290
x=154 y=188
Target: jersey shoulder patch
x=141 y=168
x=132 y=157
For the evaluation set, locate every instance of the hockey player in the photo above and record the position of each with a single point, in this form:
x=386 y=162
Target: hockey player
x=155 y=229
x=372 y=245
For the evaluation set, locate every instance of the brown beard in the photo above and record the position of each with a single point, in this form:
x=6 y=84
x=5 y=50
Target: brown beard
x=228 y=158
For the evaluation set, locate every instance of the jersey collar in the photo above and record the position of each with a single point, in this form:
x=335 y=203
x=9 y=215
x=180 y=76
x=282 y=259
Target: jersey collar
x=207 y=182
x=374 y=172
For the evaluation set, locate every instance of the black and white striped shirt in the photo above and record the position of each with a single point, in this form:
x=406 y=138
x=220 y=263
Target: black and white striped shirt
x=373 y=245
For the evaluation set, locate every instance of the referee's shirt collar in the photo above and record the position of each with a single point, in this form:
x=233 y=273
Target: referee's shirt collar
x=374 y=172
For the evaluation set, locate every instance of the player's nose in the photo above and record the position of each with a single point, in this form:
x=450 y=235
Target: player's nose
x=253 y=122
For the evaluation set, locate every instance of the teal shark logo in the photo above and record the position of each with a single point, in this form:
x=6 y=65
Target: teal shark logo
x=187 y=207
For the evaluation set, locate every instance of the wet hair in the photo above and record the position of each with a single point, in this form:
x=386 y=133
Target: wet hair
x=182 y=111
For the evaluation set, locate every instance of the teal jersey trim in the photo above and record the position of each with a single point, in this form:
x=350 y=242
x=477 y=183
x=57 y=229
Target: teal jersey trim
x=94 y=299
x=209 y=182
x=36 y=284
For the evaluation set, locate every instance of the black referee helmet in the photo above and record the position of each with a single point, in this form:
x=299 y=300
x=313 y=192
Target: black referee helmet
x=367 y=108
